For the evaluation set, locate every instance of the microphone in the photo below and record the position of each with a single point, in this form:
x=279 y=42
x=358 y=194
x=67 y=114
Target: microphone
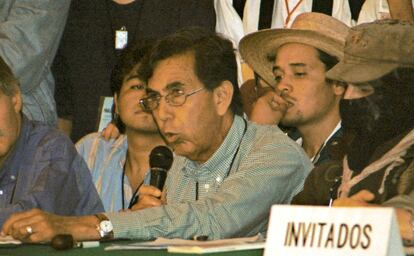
x=161 y=159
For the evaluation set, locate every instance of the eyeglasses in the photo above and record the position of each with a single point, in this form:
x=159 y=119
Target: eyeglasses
x=176 y=97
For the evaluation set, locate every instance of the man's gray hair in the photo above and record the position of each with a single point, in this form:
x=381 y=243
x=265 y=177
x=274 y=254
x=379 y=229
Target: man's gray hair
x=9 y=84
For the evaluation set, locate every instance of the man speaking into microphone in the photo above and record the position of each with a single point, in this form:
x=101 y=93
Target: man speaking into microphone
x=226 y=172
x=160 y=161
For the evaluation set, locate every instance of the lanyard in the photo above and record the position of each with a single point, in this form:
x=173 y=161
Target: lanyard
x=123 y=31
x=135 y=195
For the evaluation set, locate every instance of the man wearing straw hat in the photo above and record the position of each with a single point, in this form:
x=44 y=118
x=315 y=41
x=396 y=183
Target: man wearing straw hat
x=378 y=66
x=293 y=62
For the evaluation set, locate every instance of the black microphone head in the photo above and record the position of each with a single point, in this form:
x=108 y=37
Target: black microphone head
x=161 y=157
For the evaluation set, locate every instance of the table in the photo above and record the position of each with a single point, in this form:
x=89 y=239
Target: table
x=47 y=250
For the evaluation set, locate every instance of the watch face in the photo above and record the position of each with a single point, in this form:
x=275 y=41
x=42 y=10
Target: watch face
x=106 y=226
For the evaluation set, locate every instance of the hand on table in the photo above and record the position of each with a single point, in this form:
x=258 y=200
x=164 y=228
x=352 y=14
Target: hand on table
x=37 y=226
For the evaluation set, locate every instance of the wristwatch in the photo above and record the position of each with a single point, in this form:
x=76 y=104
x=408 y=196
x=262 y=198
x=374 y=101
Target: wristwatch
x=105 y=228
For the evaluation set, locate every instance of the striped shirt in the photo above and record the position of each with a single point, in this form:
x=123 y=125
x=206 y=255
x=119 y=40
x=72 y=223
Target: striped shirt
x=105 y=160
x=269 y=168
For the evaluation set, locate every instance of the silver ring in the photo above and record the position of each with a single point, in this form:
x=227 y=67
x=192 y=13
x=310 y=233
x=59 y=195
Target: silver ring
x=29 y=230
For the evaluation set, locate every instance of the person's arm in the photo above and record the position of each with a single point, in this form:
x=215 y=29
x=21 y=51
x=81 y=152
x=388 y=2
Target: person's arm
x=57 y=180
x=271 y=173
x=6 y=212
x=45 y=226
x=29 y=36
x=401 y=9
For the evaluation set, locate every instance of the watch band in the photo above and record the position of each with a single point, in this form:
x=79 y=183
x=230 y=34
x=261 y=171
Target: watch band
x=105 y=235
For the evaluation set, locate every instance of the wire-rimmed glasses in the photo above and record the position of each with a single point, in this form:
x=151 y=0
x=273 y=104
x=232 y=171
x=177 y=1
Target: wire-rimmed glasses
x=173 y=98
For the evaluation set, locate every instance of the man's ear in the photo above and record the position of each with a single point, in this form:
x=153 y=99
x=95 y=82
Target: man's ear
x=223 y=94
x=339 y=88
x=17 y=101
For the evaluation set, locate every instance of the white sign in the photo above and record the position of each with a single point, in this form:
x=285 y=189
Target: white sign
x=318 y=230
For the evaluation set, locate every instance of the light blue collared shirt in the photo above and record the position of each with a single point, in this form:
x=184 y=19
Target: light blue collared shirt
x=105 y=160
x=269 y=168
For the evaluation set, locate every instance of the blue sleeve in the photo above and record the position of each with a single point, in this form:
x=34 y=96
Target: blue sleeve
x=53 y=178
x=29 y=35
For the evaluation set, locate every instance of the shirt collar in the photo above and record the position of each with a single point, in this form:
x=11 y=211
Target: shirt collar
x=315 y=158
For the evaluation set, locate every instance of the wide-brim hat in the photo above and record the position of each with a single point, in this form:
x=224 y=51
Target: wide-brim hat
x=373 y=50
x=315 y=29
x=357 y=72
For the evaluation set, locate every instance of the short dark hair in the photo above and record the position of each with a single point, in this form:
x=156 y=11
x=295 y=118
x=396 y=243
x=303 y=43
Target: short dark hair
x=215 y=59
x=9 y=84
x=129 y=59
x=328 y=60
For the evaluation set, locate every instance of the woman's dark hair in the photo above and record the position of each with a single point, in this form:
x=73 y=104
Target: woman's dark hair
x=215 y=59
x=129 y=59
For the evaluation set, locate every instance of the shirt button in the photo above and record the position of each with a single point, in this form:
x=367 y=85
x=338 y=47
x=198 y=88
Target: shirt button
x=12 y=177
x=218 y=179
x=206 y=186
x=1 y=192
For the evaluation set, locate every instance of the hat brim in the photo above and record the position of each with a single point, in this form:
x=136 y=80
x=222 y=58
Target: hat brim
x=256 y=48
x=359 y=72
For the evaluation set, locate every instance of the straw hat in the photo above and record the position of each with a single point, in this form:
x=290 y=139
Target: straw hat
x=372 y=50
x=315 y=29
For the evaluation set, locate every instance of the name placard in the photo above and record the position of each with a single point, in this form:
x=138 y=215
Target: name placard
x=316 y=230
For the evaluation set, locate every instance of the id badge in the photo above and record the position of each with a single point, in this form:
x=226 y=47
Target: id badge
x=121 y=38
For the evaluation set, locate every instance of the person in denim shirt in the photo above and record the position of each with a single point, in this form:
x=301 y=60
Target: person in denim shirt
x=39 y=166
